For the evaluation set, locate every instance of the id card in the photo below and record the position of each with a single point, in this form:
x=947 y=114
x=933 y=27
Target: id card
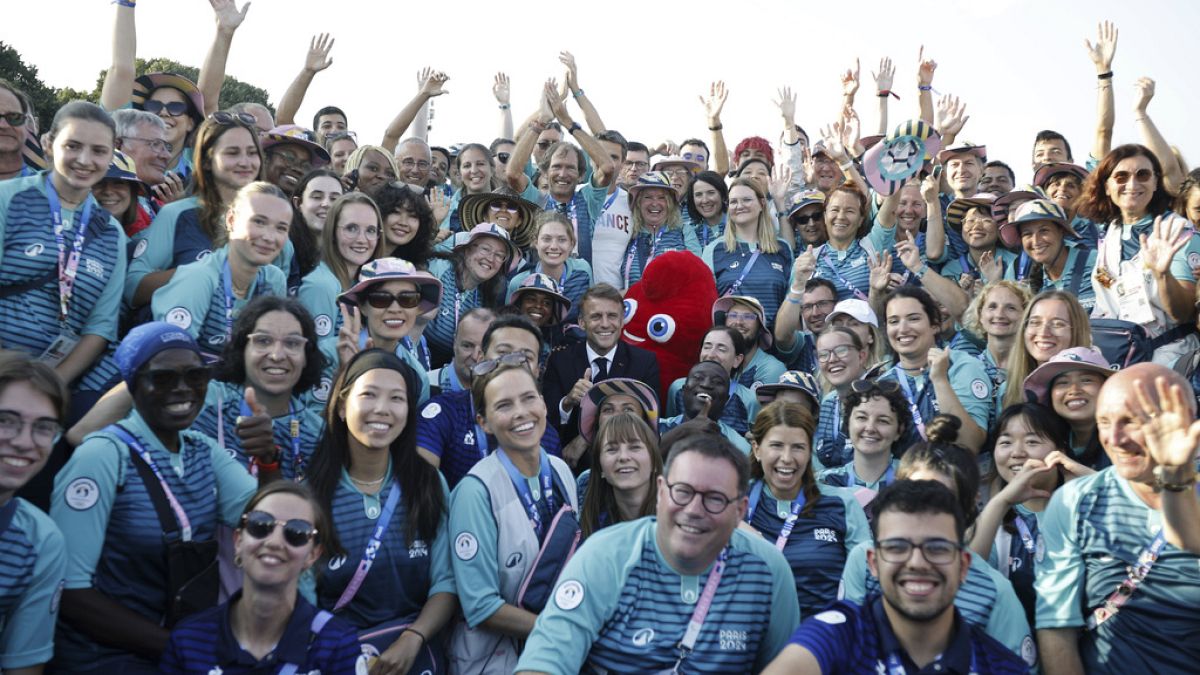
x=59 y=349
x=1133 y=294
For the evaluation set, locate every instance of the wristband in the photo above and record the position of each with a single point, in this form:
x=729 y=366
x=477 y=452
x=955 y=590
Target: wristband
x=504 y=106
x=125 y=3
x=884 y=93
x=925 y=87
x=578 y=93
x=789 y=298
x=416 y=632
x=920 y=274
x=573 y=128
x=268 y=467
x=716 y=128
x=1104 y=76
x=1162 y=482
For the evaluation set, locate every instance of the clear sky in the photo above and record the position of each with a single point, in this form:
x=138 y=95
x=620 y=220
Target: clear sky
x=1020 y=65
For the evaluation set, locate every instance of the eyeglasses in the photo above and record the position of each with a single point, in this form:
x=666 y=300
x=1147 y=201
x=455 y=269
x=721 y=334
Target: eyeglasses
x=820 y=304
x=840 y=352
x=222 y=117
x=353 y=229
x=174 y=108
x=497 y=207
x=15 y=119
x=638 y=165
x=292 y=344
x=384 y=299
x=740 y=316
x=492 y=253
x=167 y=378
x=679 y=173
x=810 y=218
x=1056 y=326
x=291 y=160
x=542 y=145
x=1141 y=176
x=511 y=359
x=411 y=163
x=44 y=431
x=296 y=532
x=156 y=144
x=695 y=157
x=714 y=502
x=935 y=551
x=503 y=157
x=881 y=386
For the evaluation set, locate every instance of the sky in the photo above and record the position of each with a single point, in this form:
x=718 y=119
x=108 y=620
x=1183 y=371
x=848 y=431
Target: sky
x=1019 y=65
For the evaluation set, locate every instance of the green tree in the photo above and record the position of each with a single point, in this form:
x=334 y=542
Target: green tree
x=233 y=90
x=25 y=77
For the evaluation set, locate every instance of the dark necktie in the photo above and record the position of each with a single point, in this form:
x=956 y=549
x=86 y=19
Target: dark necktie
x=601 y=369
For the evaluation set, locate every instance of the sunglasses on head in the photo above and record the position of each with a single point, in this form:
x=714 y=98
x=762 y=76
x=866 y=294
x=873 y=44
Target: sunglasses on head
x=14 y=119
x=1141 y=176
x=384 y=299
x=167 y=378
x=260 y=525
x=511 y=359
x=222 y=117
x=881 y=386
x=174 y=108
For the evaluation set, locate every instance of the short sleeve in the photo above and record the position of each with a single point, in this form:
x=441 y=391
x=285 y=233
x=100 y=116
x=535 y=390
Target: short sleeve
x=442 y=570
x=1060 y=574
x=27 y=638
x=152 y=247
x=473 y=536
x=102 y=321
x=434 y=428
x=82 y=500
x=858 y=530
x=1181 y=264
x=1007 y=622
x=829 y=637
x=235 y=486
x=970 y=381
x=854 y=575
x=186 y=299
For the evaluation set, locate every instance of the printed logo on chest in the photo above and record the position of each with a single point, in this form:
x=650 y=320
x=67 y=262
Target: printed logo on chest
x=825 y=534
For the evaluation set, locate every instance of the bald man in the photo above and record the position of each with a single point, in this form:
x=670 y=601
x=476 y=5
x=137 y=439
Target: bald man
x=1115 y=595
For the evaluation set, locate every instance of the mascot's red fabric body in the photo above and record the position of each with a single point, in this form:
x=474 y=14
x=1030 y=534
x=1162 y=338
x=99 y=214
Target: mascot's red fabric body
x=669 y=311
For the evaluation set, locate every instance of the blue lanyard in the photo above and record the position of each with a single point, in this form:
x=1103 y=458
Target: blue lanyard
x=293 y=431
x=845 y=282
x=1027 y=538
x=185 y=524
x=967 y=267
x=481 y=441
x=373 y=546
x=918 y=421
x=888 y=478
x=545 y=476
x=896 y=667
x=227 y=281
x=562 y=280
x=788 y=525
x=745 y=270
x=68 y=262
x=633 y=249
x=422 y=355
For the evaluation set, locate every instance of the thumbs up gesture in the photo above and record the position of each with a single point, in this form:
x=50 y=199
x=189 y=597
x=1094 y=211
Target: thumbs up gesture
x=256 y=432
x=578 y=391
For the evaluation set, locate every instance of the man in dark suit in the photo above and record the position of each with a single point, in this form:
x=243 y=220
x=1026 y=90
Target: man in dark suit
x=571 y=371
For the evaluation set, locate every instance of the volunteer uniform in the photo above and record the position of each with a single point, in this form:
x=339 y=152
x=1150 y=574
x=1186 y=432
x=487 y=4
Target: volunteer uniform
x=574 y=281
x=844 y=477
x=740 y=410
x=830 y=447
x=645 y=246
x=968 y=378
x=739 y=441
x=850 y=270
x=1014 y=552
x=33 y=564
x=747 y=270
x=762 y=369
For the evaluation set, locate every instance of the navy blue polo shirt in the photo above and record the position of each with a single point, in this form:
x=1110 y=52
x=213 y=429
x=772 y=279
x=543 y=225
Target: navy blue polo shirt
x=204 y=643
x=849 y=638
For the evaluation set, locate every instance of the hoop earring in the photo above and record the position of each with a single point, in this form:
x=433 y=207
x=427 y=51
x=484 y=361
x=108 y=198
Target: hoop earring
x=237 y=561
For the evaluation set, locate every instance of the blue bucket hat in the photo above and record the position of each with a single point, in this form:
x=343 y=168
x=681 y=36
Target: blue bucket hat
x=147 y=340
x=545 y=284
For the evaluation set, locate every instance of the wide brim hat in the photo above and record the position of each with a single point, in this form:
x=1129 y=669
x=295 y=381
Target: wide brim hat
x=297 y=135
x=473 y=209
x=675 y=160
x=794 y=380
x=859 y=310
x=486 y=229
x=650 y=180
x=963 y=148
x=543 y=283
x=145 y=85
x=589 y=407
x=1047 y=171
x=123 y=168
x=1003 y=203
x=388 y=269
x=1076 y=358
x=957 y=210
x=1032 y=211
x=725 y=303
x=900 y=156
x=805 y=198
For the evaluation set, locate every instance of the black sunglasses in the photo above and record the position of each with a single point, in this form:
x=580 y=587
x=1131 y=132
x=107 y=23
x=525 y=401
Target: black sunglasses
x=18 y=119
x=384 y=299
x=260 y=525
x=167 y=378
x=502 y=156
x=882 y=386
x=222 y=117
x=804 y=220
x=174 y=108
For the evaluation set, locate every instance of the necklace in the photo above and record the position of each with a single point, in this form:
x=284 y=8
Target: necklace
x=368 y=483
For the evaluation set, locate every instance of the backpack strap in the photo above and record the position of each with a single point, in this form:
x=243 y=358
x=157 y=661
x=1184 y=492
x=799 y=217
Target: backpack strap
x=1077 y=269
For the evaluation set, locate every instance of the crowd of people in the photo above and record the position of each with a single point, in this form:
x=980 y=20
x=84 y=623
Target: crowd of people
x=277 y=399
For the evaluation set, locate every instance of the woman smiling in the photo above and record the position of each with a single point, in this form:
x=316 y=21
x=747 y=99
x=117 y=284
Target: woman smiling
x=553 y=240
x=1053 y=321
x=625 y=462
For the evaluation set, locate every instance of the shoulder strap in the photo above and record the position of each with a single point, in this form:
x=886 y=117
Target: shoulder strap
x=1081 y=256
x=166 y=518
x=319 y=620
x=50 y=275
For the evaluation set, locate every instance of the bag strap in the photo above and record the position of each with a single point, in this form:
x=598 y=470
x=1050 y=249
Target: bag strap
x=319 y=620
x=1077 y=270
x=50 y=275
x=166 y=517
x=1177 y=333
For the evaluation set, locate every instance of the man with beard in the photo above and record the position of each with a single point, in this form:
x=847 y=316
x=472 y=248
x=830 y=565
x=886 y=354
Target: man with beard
x=290 y=152
x=705 y=393
x=1114 y=594
x=913 y=626
x=800 y=319
x=746 y=316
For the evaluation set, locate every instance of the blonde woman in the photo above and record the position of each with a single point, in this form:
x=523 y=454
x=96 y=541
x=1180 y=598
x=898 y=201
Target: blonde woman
x=657 y=225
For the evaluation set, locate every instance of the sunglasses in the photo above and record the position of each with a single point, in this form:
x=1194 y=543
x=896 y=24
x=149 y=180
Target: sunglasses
x=14 y=119
x=260 y=525
x=174 y=108
x=512 y=359
x=882 y=386
x=167 y=379
x=497 y=207
x=222 y=117
x=384 y=299
x=502 y=156
x=1141 y=176
x=811 y=218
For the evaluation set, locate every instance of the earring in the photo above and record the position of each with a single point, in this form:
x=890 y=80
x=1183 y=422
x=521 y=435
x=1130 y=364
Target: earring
x=237 y=560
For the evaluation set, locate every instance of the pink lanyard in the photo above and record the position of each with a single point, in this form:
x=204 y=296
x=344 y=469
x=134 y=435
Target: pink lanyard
x=701 y=612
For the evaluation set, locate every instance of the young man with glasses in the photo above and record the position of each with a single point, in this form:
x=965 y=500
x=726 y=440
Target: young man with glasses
x=913 y=626
x=800 y=319
x=746 y=315
x=687 y=587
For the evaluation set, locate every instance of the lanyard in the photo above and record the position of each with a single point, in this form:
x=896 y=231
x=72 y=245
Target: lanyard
x=1137 y=574
x=964 y=261
x=567 y=210
x=888 y=477
x=546 y=477
x=896 y=667
x=372 y=549
x=562 y=280
x=227 y=281
x=745 y=270
x=68 y=263
x=185 y=525
x=1026 y=536
x=458 y=302
x=698 y=615
x=845 y=282
x=788 y=525
x=633 y=246
x=293 y=431
x=918 y=421
x=481 y=441
x=703 y=228
x=419 y=350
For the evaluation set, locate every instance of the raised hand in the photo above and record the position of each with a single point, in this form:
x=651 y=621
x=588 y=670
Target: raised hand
x=881 y=272
x=256 y=433
x=1169 y=430
x=228 y=16
x=787 y=104
x=714 y=103
x=347 y=341
x=831 y=135
x=170 y=189
x=779 y=184
x=851 y=128
x=931 y=186
x=906 y=249
x=439 y=203
x=810 y=168
x=500 y=89
x=850 y=80
x=939 y=363
x=1021 y=488
x=950 y=115
x=579 y=390
x=990 y=267
x=668 y=148
x=317 y=58
x=1143 y=90
x=1071 y=469
x=925 y=70
x=803 y=268
x=572 y=78
x=883 y=78
x=558 y=106
x=434 y=84
x=1169 y=236
x=1105 y=48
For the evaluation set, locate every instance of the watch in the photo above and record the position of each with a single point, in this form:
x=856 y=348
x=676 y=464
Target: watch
x=1163 y=480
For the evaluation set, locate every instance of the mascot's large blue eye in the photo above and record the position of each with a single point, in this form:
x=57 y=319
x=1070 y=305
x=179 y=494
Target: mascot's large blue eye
x=661 y=327
x=630 y=308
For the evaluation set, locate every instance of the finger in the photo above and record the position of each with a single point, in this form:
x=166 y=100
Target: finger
x=587 y=374
x=1141 y=403
x=251 y=398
